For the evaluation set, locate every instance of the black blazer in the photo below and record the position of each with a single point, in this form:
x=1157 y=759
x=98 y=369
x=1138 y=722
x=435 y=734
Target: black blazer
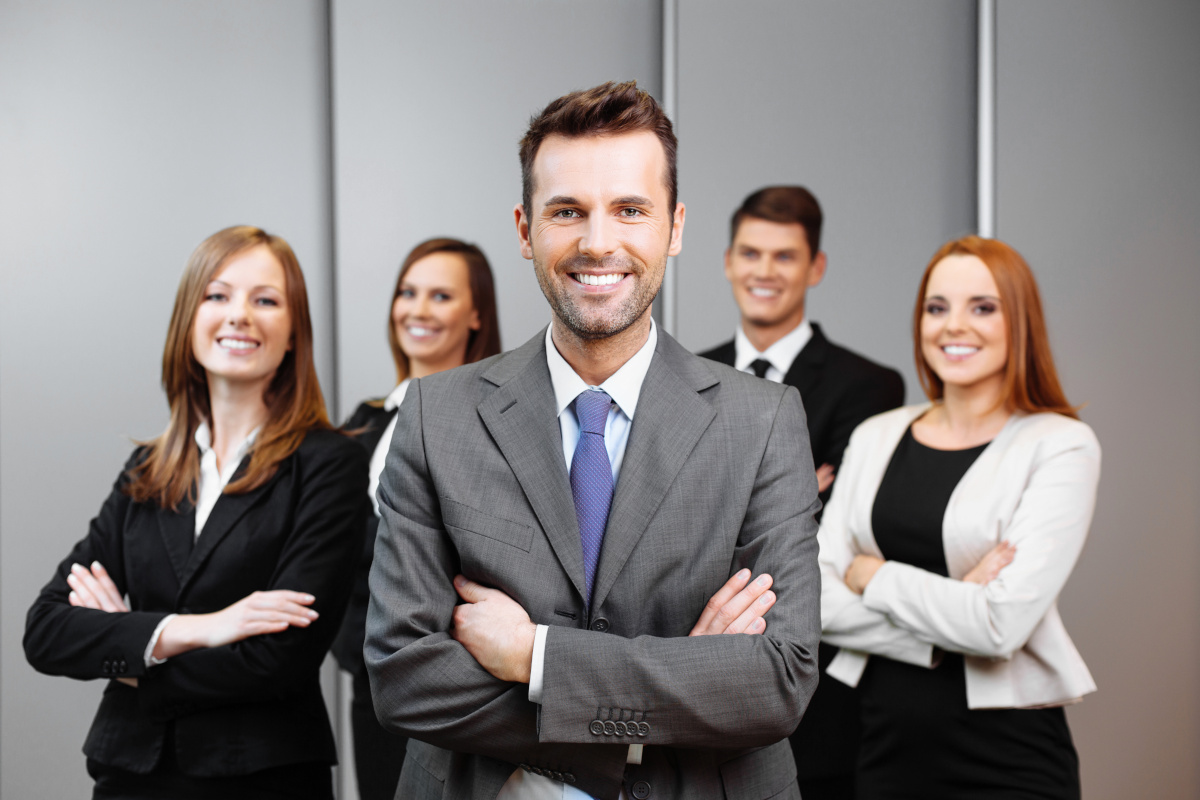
x=366 y=425
x=840 y=389
x=238 y=708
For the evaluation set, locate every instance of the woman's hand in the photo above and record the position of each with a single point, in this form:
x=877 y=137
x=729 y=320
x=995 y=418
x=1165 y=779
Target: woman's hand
x=94 y=589
x=862 y=569
x=254 y=615
x=990 y=565
x=824 y=477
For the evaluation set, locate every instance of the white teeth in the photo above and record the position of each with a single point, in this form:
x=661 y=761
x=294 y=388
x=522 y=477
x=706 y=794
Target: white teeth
x=419 y=331
x=959 y=350
x=599 y=280
x=237 y=344
x=759 y=291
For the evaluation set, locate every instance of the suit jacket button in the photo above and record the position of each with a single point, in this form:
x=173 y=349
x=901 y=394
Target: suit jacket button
x=610 y=727
x=640 y=790
x=643 y=729
x=568 y=777
x=600 y=625
x=620 y=726
x=122 y=667
x=556 y=775
x=106 y=668
x=597 y=727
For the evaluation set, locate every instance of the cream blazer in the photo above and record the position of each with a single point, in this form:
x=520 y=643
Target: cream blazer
x=1034 y=486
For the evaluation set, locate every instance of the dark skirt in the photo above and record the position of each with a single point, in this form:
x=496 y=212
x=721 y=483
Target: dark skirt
x=920 y=741
x=304 y=781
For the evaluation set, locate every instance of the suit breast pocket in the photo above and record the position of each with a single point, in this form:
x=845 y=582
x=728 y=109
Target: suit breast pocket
x=459 y=517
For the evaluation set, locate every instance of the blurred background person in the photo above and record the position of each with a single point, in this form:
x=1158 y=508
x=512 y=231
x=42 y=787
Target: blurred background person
x=443 y=315
x=209 y=587
x=953 y=527
x=774 y=258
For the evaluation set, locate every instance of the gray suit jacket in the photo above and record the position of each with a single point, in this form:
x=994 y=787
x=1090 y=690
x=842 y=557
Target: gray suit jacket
x=717 y=476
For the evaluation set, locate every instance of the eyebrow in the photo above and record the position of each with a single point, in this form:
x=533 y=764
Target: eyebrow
x=562 y=200
x=627 y=200
x=253 y=288
x=969 y=300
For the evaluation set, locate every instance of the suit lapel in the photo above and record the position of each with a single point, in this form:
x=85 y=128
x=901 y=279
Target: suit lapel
x=671 y=417
x=521 y=417
x=178 y=529
x=225 y=514
x=805 y=372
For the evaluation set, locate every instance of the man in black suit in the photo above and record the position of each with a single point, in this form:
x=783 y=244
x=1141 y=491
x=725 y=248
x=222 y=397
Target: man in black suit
x=774 y=258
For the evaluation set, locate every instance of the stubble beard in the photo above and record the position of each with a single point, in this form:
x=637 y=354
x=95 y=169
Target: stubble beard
x=595 y=324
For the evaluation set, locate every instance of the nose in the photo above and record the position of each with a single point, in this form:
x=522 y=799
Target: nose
x=239 y=312
x=956 y=320
x=598 y=239
x=421 y=306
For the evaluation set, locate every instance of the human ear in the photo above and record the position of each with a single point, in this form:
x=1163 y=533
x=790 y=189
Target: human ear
x=816 y=270
x=522 y=222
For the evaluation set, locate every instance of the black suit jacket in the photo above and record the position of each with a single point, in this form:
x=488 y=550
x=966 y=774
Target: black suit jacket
x=238 y=708
x=366 y=425
x=840 y=389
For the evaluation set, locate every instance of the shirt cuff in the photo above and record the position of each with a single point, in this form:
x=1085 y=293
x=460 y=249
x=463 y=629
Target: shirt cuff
x=535 y=668
x=148 y=656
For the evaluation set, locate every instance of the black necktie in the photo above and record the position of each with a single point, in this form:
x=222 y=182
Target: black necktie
x=760 y=367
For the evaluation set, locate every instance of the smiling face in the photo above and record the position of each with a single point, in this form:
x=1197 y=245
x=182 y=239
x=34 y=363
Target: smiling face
x=243 y=328
x=434 y=314
x=964 y=337
x=599 y=229
x=770 y=267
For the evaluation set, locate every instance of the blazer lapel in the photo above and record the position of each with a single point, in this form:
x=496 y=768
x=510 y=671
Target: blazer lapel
x=521 y=416
x=178 y=529
x=805 y=372
x=225 y=514
x=671 y=417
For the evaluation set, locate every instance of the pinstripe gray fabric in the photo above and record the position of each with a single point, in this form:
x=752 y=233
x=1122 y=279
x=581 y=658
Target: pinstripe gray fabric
x=717 y=476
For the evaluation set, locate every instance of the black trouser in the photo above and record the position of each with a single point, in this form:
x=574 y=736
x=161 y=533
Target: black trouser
x=378 y=753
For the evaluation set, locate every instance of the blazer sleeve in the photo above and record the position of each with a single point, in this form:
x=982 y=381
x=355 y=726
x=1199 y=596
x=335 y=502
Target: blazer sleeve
x=845 y=619
x=1048 y=528
x=425 y=684
x=317 y=557
x=699 y=689
x=85 y=643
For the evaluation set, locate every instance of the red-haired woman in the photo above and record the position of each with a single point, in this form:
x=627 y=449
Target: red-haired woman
x=210 y=585
x=442 y=315
x=952 y=529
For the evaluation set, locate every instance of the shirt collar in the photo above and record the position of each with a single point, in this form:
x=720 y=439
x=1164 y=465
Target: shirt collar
x=204 y=440
x=780 y=355
x=624 y=386
x=394 y=399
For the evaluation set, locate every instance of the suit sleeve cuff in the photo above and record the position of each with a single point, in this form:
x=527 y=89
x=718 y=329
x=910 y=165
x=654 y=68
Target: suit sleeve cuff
x=536 y=668
x=148 y=656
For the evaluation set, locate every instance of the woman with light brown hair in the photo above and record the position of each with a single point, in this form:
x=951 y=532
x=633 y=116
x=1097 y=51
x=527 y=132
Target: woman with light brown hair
x=210 y=585
x=442 y=315
x=952 y=528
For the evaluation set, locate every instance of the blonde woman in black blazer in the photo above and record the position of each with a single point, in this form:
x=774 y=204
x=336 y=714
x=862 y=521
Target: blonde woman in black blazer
x=210 y=585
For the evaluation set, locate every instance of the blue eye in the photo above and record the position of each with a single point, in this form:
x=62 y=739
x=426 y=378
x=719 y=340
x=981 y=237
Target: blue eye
x=407 y=293
x=267 y=301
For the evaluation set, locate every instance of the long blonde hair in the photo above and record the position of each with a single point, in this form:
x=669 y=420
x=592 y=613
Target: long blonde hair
x=168 y=471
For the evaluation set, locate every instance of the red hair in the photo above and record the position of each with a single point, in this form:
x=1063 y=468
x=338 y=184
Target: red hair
x=1030 y=379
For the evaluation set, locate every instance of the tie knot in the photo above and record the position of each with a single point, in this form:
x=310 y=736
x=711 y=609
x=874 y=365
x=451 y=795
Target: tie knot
x=760 y=367
x=592 y=410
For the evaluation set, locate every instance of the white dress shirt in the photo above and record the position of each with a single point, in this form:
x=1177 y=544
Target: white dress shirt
x=211 y=482
x=624 y=387
x=379 y=455
x=780 y=355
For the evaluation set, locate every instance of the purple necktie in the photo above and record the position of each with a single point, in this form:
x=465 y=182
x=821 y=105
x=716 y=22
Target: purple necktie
x=591 y=479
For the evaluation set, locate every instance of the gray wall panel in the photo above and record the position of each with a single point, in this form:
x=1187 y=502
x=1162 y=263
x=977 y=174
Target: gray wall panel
x=1099 y=187
x=870 y=105
x=428 y=113
x=129 y=131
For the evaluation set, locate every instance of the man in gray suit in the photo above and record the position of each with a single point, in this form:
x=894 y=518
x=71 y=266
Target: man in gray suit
x=598 y=500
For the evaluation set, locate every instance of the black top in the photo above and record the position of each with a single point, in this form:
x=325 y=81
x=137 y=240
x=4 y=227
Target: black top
x=919 y=738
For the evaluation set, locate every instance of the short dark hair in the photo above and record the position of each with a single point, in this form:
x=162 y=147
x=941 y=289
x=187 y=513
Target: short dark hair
x=607 y=109
x=785 y=205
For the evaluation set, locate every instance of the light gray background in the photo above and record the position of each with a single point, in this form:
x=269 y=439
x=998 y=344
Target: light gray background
x=131 y=130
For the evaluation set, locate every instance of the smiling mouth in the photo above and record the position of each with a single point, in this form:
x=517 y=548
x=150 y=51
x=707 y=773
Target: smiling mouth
x=420 y=331
x=607 y=279
x=241 y=345
x=764 y=292
x=959 y=350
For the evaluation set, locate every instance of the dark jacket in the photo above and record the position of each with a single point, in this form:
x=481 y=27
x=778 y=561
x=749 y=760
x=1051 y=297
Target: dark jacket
x=238 y=708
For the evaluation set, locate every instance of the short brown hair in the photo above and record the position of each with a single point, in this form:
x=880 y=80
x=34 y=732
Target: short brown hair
x=482 y=343
x=605 y=110
x=171 y=466
x=1030 y=379
x=785 y=205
